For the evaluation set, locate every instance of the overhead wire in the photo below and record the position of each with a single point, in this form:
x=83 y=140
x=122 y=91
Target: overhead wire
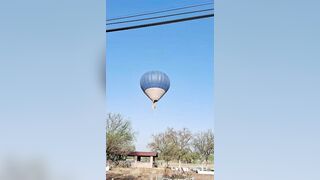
x=160 y=23
x=163 y=22
x=164 y=16
x=157 y=12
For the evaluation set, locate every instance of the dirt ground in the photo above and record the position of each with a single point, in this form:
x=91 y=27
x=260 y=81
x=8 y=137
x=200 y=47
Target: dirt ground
x=147 y=174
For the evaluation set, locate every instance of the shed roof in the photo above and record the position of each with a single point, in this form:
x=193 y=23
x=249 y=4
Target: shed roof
x=143 y=154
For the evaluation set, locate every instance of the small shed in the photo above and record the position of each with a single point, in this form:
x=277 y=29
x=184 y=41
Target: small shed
x=137 y=159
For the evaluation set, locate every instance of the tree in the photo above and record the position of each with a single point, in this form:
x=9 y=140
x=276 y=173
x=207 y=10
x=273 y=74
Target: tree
x=165 y=145
x=120 y=137
x=203 y=143
x=191 y=157
x=172 y=144
x=183 y=138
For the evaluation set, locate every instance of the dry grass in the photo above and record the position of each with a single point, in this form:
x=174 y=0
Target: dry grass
x=147 y=174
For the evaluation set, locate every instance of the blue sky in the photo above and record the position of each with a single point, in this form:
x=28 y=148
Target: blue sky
x=184 y=51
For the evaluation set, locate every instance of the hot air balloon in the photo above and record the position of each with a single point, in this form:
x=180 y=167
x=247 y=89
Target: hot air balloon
x=154 y=84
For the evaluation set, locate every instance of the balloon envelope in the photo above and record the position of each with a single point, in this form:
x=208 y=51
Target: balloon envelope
x=154 y=84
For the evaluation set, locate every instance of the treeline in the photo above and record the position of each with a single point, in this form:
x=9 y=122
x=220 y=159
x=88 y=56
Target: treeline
x=183 y=146
x=172 y=145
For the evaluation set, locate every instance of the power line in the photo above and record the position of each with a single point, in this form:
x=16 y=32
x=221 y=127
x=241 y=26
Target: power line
x=157 y=12
x=160 y=23
x=157 y=17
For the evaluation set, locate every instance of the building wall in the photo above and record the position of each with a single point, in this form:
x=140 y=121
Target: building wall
x=138 y=164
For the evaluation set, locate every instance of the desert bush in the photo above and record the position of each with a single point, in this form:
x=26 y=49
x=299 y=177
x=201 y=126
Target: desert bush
x=121 y=164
